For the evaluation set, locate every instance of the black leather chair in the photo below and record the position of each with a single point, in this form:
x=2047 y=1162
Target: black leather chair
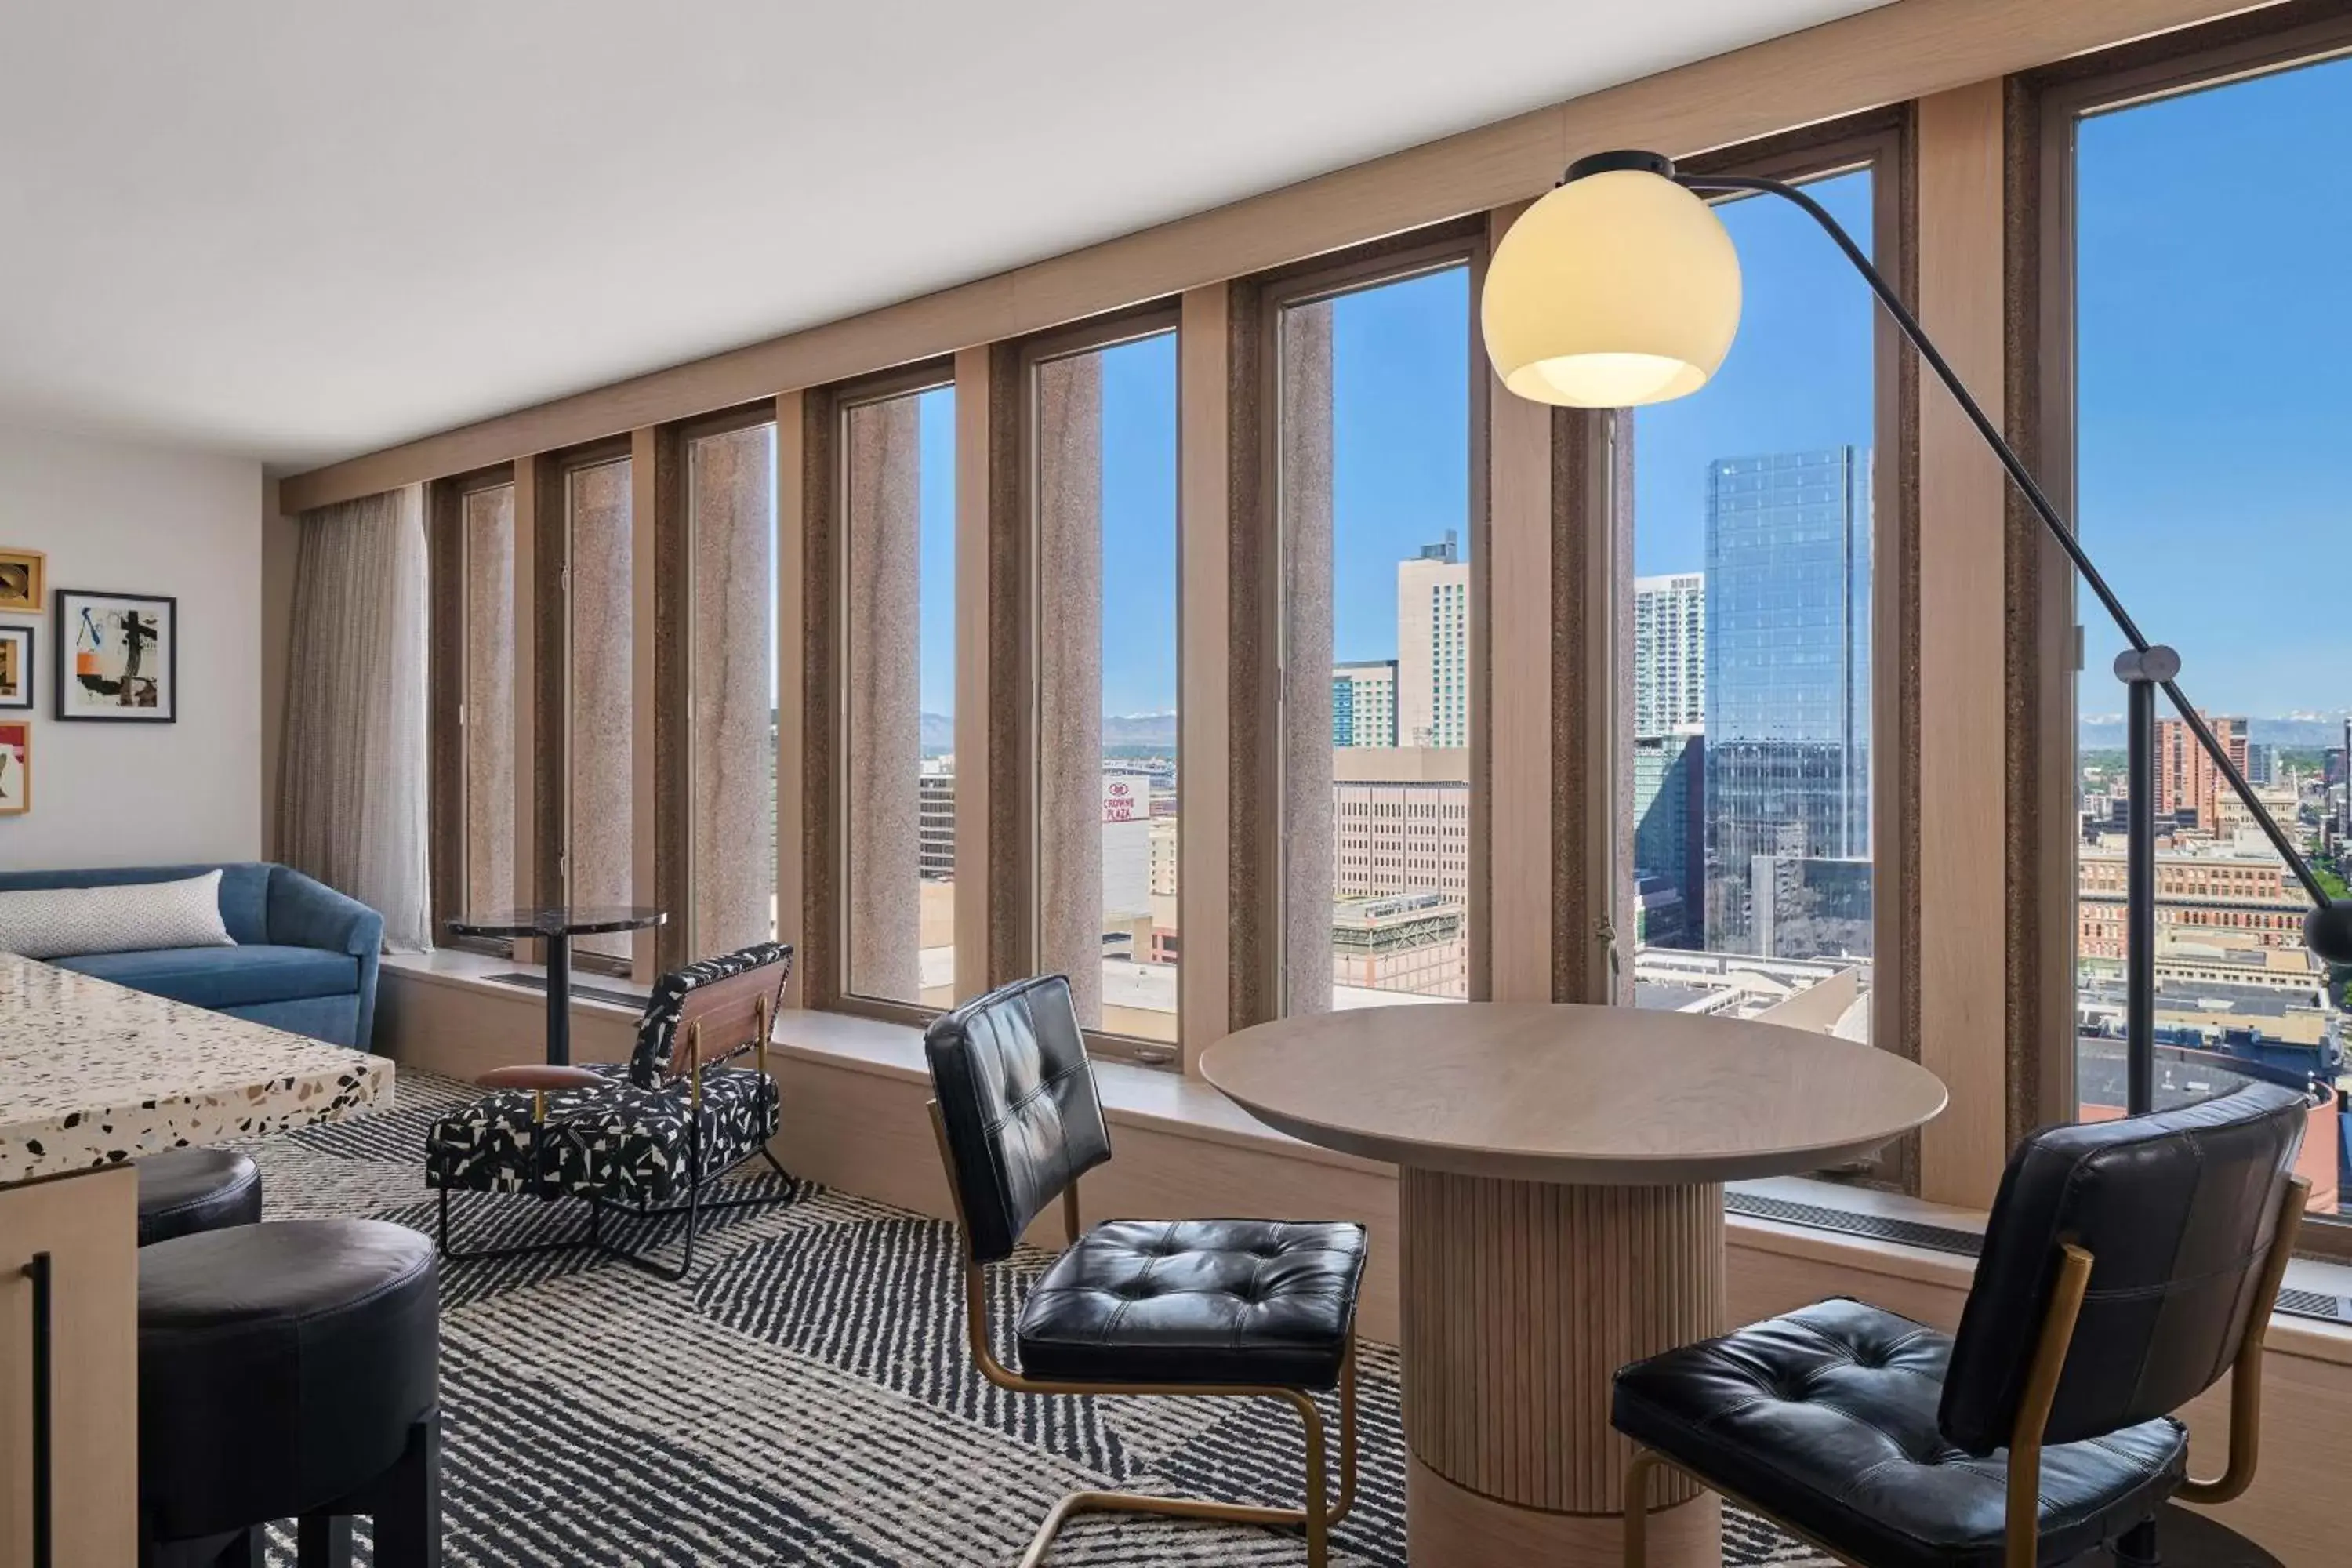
x=1230 y=1307
x=634 y=1139
x=2127 y=1266
x=289 y=1371
x=185 y=1191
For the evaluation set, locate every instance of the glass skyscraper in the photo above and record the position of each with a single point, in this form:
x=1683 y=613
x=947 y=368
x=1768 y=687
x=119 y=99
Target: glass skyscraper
x=1787 y=704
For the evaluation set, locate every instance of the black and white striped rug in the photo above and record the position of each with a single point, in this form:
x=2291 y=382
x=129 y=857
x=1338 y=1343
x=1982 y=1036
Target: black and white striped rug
x=806 y=1396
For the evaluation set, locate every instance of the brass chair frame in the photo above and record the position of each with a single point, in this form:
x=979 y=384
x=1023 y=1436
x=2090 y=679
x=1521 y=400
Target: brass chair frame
x=1319 y=1516
x=2023 y=1523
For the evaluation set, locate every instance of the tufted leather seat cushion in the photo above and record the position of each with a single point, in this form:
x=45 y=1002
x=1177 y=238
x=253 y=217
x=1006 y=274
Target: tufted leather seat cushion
x=1826 y=1417
x=281 y=1366
x=188 y=1190
x=1204 y=1300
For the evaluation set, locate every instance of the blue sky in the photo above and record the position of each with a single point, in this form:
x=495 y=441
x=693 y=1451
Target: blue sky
x=1797 y=377
x=2215 y=408
x=2215 y=398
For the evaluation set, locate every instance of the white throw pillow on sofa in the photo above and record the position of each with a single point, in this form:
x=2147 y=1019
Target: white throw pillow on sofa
x=66 y=923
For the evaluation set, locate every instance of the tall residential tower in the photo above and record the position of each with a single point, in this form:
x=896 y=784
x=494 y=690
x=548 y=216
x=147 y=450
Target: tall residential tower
x=1669 y=655
x=1433 y=674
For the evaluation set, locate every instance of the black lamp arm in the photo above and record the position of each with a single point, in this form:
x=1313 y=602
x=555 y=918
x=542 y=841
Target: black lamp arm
x=2027 y=486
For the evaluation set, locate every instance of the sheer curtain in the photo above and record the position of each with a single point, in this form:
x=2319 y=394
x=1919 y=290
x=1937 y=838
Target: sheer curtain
x=352 y=789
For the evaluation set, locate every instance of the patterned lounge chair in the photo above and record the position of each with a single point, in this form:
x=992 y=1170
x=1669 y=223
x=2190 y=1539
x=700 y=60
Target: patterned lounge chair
x=644 y=1139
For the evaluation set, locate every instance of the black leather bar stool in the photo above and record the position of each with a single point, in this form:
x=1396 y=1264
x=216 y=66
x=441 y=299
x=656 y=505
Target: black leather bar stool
x=189 y=1190
x=289 y=1371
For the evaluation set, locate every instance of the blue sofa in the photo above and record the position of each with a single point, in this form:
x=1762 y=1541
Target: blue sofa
x=305 y=959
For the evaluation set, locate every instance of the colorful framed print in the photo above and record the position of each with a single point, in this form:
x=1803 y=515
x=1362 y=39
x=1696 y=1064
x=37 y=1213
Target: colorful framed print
x=15 y=668
x=21 y=574
x=15 y=768
x=118 y=657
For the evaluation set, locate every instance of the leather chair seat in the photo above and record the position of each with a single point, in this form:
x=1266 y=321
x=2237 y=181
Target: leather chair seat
x=281 y=1367
x=1196 y=1301
x=187 y=1190
x=1827 y=1418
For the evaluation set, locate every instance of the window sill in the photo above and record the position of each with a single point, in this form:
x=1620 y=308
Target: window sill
x=1133 y=1095
x=1164 y=1102
x=468 y=969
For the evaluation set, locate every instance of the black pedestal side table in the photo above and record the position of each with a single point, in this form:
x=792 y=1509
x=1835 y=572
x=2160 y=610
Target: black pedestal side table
x=556 y=925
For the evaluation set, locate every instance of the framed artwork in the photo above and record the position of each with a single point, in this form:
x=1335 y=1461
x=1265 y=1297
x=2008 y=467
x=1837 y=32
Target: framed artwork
x=15 y=668
x=21 y=571
x=15 y=768
x=118 y=657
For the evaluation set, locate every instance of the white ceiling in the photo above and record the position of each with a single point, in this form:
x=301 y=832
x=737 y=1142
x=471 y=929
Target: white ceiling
x=301 y=230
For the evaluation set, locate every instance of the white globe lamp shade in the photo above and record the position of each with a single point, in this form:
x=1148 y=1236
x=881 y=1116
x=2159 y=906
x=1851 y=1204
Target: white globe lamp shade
x=1620 y=287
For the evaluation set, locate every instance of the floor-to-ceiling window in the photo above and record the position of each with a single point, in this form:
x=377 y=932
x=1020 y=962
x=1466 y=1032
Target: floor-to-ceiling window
x=1102 y=487
x=730 y=509
x=1372 y=380
x=897 y=523
x=1752 y=844
x=2207 y=421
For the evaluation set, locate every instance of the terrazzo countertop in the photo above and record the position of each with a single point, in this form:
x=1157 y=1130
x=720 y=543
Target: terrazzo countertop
x=92 y=1074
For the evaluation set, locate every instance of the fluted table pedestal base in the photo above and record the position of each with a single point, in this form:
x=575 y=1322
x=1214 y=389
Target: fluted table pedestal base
x=1521 y=1300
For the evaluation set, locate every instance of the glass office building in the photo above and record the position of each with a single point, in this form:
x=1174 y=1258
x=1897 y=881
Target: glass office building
x=1669 y=798
x=1787 y=704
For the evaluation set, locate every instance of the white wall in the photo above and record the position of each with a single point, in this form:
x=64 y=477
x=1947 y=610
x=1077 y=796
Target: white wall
x=142 y=520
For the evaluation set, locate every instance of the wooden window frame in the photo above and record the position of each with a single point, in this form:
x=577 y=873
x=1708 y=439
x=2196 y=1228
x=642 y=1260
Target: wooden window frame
x=829 y=892
x=447 y=665
x=1260 y=974
x=1021 y=861
x=2046 y=106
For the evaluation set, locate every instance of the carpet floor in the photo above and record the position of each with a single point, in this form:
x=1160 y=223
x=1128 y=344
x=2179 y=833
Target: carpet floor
x=805 y=1397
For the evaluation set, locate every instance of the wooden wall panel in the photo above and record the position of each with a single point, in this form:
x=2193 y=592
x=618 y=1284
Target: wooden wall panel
x=531 y=488
x=1517 y=622
x=1204 y=650
x=792 y=695
x=647 y=520
x=463 y=1029
x=1590 y=495
x=973 y=641
x=1963 y=500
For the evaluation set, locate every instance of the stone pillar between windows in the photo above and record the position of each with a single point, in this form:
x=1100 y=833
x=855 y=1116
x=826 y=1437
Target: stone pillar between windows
x=1303 y=477
x=883 y=892
x=486 y=522
x=601 y=764
x=731 y=482
x=1069 y=589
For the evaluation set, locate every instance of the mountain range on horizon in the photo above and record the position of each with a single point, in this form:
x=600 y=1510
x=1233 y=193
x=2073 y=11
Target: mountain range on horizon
x=1118 y=729
x=2105 y=731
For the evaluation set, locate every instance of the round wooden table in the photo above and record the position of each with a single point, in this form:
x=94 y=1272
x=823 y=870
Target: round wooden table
x=1560 y=1201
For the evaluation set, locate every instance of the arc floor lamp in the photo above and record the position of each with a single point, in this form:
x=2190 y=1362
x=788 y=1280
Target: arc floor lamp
x=1621 y=288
